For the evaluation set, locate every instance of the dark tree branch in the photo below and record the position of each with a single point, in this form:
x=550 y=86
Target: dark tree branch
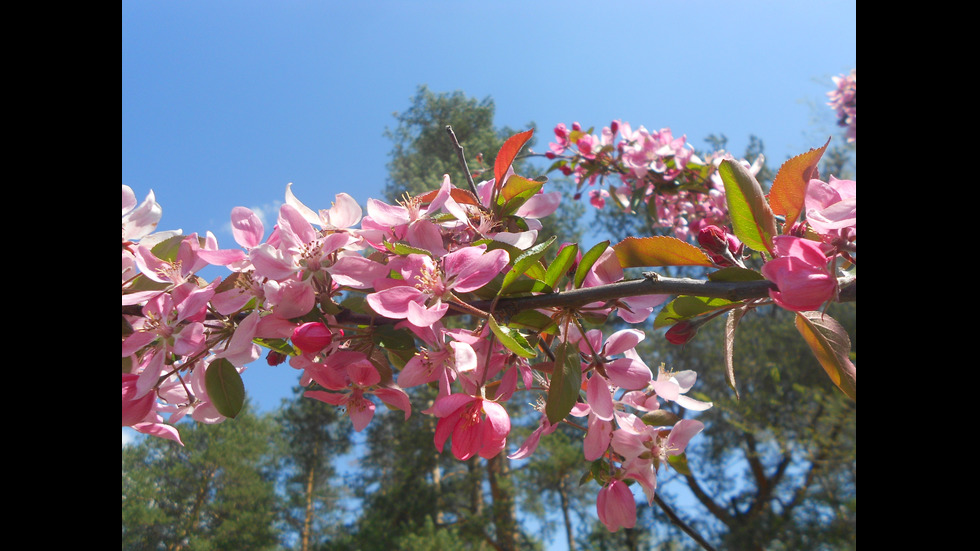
x=462 y=160
x=676 y=520
x=652 y=284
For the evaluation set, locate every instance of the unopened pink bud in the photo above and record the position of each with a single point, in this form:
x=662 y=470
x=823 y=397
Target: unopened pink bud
x=312 y=337
x=681 y=332
x=275 y=358
x=719 y=244
x=712 y=238
x=615 y=506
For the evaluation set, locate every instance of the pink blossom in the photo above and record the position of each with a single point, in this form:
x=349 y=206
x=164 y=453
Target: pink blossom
x=134 y=408
x=843 y=99
x=419 y=297
x=800 y=271
x=672 y=387
x=477 y=426
x=627 y=372
x=649 y=442
x=176 y=271
x=190 y=396
x=409 y=221
x=831 y=208
x=616 y=506
x=359 y=409
x=354 y=373
x=597 y=197
x=531 y=444
x=138 y=221
x=561 y=137
x=247 y=229
x=442 y=362
x=644 y=447
x=342 y=215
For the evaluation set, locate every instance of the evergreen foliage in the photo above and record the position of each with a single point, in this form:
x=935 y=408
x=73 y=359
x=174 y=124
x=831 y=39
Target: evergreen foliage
x=214 y=493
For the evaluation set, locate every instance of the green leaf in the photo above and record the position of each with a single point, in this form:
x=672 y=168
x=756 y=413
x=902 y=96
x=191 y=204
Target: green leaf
x=516 y=191
x=752 y=220
x=225 y=388
x=168 y=248
x=588 y=259
x=512 y=339
x=279 y=345
x=402 y=249
x=525 y=286
x=660 y=418
x=559 y=267
x=525 y=261
x=687 y=307
x=533 y=320
x=679 y=463
x=830 y=344
x=566 y=382
x=386 y=336
x=735 y=274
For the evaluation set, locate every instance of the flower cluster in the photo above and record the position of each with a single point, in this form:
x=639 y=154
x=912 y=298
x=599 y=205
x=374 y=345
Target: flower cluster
x=843 y=100
x=657 y=173
x=359 y=304
x=803 y=267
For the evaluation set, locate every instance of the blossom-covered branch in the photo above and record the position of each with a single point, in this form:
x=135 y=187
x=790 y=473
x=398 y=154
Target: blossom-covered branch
x=355 y=301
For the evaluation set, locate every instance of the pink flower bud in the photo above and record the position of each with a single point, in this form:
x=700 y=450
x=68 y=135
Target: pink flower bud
x=312 y=337
x=720 y=245
x=681 y=332
x=275 y=358
x=616 y=506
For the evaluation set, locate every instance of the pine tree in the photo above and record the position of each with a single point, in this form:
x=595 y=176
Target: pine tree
x=214 y=493
x=313 y=436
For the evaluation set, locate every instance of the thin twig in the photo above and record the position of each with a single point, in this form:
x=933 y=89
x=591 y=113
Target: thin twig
x=681 y=524
x=462 y=160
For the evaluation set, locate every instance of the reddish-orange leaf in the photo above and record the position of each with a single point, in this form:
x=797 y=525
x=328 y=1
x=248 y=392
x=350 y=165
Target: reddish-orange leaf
x=636 y=252
x=508 y=152
x=459 y=195
x=789 y=188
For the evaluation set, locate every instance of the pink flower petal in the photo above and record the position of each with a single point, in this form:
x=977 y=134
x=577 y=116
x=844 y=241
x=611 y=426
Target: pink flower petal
x=246 y=227
x=393 y=302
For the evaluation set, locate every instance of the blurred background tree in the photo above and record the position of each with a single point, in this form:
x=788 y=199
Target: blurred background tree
x=217 y=492
x=312 y=435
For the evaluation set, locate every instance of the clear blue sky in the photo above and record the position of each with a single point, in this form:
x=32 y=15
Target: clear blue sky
x=225 y=102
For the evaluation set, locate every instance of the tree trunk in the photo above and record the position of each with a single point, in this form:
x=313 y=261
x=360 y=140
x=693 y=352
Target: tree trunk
x=437 y=485
x=202 y=493
x=308 y=517
x=563 y=493
x=504 y=514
